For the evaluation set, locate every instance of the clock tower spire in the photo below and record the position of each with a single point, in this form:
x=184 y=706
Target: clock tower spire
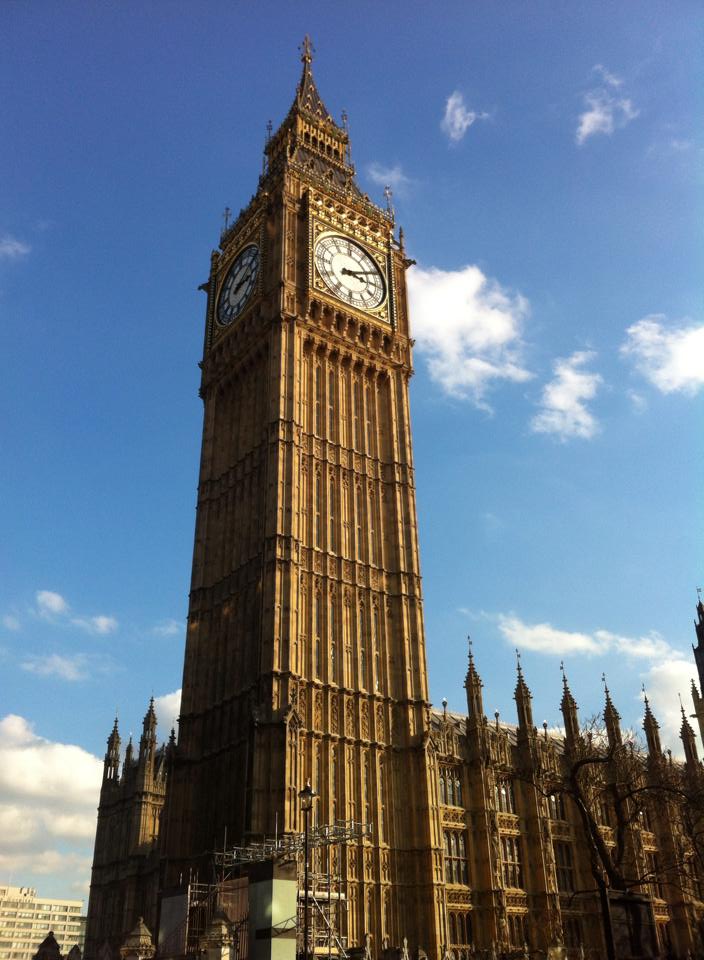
x=305 y=652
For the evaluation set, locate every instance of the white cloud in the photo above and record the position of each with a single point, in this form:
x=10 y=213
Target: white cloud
x=638 y=401
x=50 y=603
x=457 y=119
x=544 y=638
x=605 y=111
x=563 y=402
x=10 y=622
x=610 y=79
x=393 y=177
x=100 y=624
x=664 y=681
x=167 y=708
x=55 y=665
x=168 y=628
x=12 y=249
x=670 y=357
x=48 y=798
x=469 y=328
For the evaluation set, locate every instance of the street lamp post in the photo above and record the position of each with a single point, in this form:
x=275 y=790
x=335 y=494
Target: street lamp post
x=306 y=797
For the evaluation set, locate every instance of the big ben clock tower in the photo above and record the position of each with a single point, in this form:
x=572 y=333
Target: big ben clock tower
x=305 y=653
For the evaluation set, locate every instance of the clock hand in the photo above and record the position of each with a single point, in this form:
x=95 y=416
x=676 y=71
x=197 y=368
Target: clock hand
x=357 y=273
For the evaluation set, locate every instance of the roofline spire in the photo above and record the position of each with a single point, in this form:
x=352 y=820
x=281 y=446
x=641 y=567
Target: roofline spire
x=307 y=49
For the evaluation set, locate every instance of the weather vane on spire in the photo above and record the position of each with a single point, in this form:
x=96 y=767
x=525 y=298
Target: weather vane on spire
x=307 y=50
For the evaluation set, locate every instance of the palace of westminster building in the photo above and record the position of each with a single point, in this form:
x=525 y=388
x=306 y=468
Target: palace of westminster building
x=305 y=653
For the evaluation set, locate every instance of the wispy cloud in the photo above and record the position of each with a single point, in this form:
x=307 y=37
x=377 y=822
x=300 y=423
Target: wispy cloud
x=564 y=411
x=168 y=628
x=54 y=665
x=606 y=109
x=390 y=176
x=11 y=622
x=457 y=118
x=469 y=328
x=101 y=624
x=50 y=603
x=544 y=638
x=671 y=357
x=52 y=606
x=12 y=249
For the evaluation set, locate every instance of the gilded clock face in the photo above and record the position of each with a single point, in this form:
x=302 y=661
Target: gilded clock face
x=350 y=272
x=238 y=285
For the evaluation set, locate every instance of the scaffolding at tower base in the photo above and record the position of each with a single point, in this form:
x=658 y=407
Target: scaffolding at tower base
x=289 y=846
x=327 y=894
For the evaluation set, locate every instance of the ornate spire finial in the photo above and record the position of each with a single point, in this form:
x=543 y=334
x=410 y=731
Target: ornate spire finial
x=307 y=50
x=227 y=213
x=518 y=664
x=388 y=193
x=471 y=652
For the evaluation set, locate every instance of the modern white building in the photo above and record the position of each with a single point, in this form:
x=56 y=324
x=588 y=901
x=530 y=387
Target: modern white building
x=26 y=919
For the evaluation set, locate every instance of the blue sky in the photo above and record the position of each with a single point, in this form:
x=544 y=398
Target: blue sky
x=547 y=171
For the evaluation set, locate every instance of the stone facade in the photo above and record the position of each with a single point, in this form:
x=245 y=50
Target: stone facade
x=305 y=651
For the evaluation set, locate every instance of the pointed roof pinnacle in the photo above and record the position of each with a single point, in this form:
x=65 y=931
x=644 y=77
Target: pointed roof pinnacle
x=307 y=97
x=567 y=698
x=609 y=706
x=521 y=685
x=307 y=50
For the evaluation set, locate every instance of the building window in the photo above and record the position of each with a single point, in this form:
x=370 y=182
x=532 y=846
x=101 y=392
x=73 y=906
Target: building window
x=602 y=811
x=572 y=929
x=331 y=406
x=357 y=414
x=331 y=513
x=556 y=806
x=455 y=857
x=460 y=929
x=653 y=867
x=318 y=400
x=451 y=786
x=360 y=514
x=517 y=929
x=505 y=797
x=318 y=506
x=511 y=862
x=564 y=862
x=332 y=636
x=362 y=638
x=644 y=819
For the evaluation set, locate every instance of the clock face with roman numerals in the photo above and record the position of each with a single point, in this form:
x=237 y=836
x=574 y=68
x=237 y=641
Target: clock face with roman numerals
x=238 y=285
x=350 y=272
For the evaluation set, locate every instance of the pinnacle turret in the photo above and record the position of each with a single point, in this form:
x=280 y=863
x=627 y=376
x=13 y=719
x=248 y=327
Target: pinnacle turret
x=523 y=698
x=568 y=706
x=652 y=730
x=147 y=743
x=473 y=686
x=111 y=765
x=689 y=742
x=612 y=719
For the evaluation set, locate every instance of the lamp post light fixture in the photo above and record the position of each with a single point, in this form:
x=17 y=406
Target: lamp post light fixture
x=306 y=797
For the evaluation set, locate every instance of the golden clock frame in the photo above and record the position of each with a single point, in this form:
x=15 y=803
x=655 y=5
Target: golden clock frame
x=221 y=261
x=328 y=216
